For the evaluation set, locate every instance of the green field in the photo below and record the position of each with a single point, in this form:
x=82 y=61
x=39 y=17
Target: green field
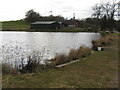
x=15 y=25
x=21 y=25
x=99 y=70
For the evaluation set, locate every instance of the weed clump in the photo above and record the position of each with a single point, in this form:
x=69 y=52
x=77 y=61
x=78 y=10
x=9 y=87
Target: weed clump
x=8 y=69
x=33 y=65
x=104 y=41
x=60 y=59
x=73 y=55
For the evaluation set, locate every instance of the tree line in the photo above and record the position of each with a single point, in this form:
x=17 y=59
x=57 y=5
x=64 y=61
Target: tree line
x=32 y=16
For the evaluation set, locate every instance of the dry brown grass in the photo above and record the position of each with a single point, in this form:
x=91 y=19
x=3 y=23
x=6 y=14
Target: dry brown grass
x=104 y=41
x=8 y=69
x=33 y=65
x=60 y=59
x=73 y=55
x=83 y=51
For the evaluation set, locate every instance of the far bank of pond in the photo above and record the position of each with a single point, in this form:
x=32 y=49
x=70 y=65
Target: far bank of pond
x=23 y=26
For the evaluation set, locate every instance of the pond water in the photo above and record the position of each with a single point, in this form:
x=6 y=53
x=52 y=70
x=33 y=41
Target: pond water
x=45 y=45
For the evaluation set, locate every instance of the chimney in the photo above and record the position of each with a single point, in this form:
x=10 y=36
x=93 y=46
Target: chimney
x=74 y=16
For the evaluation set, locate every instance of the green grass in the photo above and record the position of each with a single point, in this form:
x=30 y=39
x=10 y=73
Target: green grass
x=99 y=70
x=19 y=25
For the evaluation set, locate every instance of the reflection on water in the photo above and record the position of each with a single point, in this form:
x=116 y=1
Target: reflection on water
x=19 y=45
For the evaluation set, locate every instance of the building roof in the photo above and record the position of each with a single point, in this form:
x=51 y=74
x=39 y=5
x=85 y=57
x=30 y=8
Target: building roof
x=60 y=22
x=44 y=22
x=70 y=22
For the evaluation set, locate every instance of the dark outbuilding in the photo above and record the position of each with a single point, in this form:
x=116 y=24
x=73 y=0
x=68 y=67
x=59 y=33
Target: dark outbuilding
x=62 y=24
x=49 y=25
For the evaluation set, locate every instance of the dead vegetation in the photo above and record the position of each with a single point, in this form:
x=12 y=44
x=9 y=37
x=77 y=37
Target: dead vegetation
x=73 y=55
x=104 y=41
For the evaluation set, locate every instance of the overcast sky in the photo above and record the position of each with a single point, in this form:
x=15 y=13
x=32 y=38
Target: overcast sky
x=16 y=9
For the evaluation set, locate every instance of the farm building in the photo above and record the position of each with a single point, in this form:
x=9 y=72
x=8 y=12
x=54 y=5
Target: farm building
x=72 y=23
x=49 y=25
x=62 y=24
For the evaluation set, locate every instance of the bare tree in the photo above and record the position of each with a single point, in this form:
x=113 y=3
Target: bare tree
x=97 y=11
x=108 y=9
x=105 y=14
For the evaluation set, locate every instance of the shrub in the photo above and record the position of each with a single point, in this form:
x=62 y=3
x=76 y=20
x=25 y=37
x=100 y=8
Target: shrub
x=49 y=65
x=83 y=52
x=96 y=44
x=60 y=59
x=106 y=40
x=102 y=42
x=8 y=69
x=32 y=65
x=73 y=55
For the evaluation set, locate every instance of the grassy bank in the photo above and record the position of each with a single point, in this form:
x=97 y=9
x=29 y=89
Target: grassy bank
x=33 y=63
x=99 y=70
x=19 y=25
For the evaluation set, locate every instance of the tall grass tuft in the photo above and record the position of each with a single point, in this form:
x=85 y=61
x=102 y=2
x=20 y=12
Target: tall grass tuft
x=102 y=42
x=106 y=40
x=8 y=69
x=60 y=59
x=33 y=65
x=83 y=52
x=73 y=55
